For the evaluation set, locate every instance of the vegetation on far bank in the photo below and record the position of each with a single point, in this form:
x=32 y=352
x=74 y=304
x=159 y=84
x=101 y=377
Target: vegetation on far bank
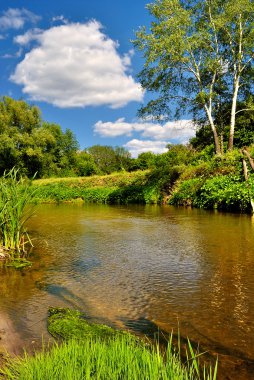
x=94 y=351
x=181 y=176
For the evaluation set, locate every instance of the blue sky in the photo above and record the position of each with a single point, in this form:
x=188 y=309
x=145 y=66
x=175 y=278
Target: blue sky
x=74 y=59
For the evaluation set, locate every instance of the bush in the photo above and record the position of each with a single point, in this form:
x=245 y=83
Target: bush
x=186 y=193
x=225 y=193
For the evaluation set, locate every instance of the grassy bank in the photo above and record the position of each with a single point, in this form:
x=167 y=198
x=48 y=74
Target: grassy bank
x=217 y=183
x=90 y=351
x=198 y=180
x=117 y=188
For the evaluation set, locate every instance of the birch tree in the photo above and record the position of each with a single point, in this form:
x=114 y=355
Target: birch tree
x=197 y=54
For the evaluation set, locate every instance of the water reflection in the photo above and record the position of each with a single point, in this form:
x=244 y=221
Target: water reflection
x=148 y=265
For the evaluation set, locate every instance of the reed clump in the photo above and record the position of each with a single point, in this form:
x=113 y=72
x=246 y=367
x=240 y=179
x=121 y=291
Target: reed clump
x=16 y=194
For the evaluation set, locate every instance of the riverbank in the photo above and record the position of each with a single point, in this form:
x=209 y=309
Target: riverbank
x=117 y=188
x=214 y=183
x=87 y=350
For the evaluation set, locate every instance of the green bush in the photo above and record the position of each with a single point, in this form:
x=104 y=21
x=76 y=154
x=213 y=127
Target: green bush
x=225 y=193
x=186 y=193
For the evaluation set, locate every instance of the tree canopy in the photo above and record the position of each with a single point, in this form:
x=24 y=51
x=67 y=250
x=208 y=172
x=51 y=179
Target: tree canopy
x=198 y=55
x=31 y=144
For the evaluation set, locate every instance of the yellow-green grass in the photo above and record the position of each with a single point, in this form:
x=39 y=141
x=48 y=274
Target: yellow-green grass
x=121 y=188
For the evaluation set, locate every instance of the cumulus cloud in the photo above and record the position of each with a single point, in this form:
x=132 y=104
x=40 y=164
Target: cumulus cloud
x=76 y=65
x=15 y=18
x=180 y=130
x=135 y=146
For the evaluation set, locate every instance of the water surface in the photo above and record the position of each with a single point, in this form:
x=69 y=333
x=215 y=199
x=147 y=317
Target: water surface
x=140 y=268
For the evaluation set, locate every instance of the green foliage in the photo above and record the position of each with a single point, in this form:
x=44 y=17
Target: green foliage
x=244 y=126
x=145 y=160
x=85 y=164
x=186 y=193
x=225 y=193
x=198 y=55
x=15 y=196
x=32 y=145
x=108 y=159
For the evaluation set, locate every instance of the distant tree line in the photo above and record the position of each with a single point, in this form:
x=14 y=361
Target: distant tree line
x=33 y=145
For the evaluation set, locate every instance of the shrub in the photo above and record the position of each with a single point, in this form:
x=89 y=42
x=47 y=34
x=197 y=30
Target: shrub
x=225 y=193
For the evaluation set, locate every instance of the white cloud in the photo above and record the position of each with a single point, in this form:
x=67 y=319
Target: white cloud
x=16 y=55
x=30 y=35
x=77 y=65
x=60 y=19
x=15 y=18
x=135 y=147
x=180 y=130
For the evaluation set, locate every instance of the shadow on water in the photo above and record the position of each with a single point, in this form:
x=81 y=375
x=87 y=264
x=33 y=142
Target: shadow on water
x=63 y=294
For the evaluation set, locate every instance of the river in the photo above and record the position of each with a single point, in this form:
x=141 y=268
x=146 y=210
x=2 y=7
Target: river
x=139 y=268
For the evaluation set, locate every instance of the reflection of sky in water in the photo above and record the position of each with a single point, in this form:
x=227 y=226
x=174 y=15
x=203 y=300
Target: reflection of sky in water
x=157 y=265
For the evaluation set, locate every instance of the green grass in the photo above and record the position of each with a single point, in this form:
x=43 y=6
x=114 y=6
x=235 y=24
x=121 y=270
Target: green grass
x=115 y=188
x=95 y=351
x=121 y=357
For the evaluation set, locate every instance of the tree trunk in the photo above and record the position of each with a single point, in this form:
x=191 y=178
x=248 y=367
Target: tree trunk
x=216 y=141
x=247 y=154
x=245 y=170
x=233 y=112
x=246 y=176
x=214 y=130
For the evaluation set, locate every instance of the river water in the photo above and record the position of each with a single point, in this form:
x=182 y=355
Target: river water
x=139 y=268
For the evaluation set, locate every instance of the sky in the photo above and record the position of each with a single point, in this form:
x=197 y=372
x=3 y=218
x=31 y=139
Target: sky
x=76 y=62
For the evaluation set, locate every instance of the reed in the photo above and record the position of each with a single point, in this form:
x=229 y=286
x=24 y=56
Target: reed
x=15 y=195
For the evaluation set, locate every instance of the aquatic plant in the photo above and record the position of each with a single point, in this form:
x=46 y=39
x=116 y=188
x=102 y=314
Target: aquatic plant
x=15 y=195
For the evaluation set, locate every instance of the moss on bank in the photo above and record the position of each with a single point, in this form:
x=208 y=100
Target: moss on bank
x=69 y=324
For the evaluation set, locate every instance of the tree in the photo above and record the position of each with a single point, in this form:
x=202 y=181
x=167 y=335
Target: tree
x=32 y=145
x=198 y=53
x=244 y=123
x=109 y=159
x=85 y=165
